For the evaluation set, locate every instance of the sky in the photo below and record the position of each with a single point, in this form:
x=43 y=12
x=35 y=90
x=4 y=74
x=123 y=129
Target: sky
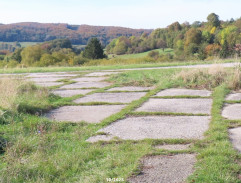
x=149 y=14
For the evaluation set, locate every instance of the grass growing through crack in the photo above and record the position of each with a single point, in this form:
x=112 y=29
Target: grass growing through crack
x=42 y=151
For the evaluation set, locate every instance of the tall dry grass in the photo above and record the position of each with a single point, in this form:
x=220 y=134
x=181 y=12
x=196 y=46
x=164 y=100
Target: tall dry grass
x=17 y=94
x=211 y=77
x=9 y=92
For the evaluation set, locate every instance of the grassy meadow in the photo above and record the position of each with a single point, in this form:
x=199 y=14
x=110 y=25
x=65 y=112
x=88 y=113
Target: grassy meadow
x=112 y=64
x=144 y=54
x=35 y=149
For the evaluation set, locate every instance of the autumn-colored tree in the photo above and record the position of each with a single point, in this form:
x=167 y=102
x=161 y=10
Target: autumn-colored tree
x=212 y=49
x=31 y=54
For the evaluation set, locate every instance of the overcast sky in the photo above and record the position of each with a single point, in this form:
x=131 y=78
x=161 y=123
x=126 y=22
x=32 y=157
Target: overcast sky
x=125 y=13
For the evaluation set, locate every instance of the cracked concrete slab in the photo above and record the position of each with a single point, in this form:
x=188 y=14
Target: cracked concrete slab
x=131 y=88
x=235 y=136
x=89 y=79
x=49 y=84
x=158 y=127
x=101 y=73
x=112 y=97
x=232 y=111
x=174 y=146
x=89 y=114
x=165 y=169
x=46 y=79
x=70 y=93
x=193 y=106
x=184 y=92
x=86 y=85
x=234 y=96
x=51 y=74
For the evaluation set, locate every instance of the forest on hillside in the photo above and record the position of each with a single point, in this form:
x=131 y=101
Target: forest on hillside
x=77 y=34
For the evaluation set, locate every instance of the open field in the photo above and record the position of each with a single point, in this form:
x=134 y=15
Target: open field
x=41 y=150
x=110 y=67
x=144 y=54
x=24 y=44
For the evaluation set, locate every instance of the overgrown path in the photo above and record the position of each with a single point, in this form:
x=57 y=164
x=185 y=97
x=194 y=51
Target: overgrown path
x=181 y=131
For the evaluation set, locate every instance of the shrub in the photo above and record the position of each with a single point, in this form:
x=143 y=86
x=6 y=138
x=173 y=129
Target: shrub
x=154 y=54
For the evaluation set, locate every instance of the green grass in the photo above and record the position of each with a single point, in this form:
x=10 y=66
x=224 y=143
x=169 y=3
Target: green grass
x=144 y=54
x=23 y=44
x=39 y=150
x=108 y=67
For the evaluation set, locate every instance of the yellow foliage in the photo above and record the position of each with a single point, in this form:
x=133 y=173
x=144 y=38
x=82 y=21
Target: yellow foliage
x=213 y=30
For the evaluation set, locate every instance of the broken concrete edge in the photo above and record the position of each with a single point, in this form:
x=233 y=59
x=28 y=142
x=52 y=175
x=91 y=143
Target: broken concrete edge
x=226 y=111
x=140 y=165
x=180 y=96
x=144 y=113
x=233 y=140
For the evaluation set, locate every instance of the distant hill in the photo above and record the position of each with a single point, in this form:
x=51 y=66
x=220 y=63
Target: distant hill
x=78 y=34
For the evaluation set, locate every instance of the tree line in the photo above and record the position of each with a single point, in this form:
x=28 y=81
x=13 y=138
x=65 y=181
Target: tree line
x=77 y=34
x=59 y=52
x=199 y=40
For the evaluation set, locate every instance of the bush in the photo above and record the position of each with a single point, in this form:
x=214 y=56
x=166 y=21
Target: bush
x=154 y=54
x=79 y=60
